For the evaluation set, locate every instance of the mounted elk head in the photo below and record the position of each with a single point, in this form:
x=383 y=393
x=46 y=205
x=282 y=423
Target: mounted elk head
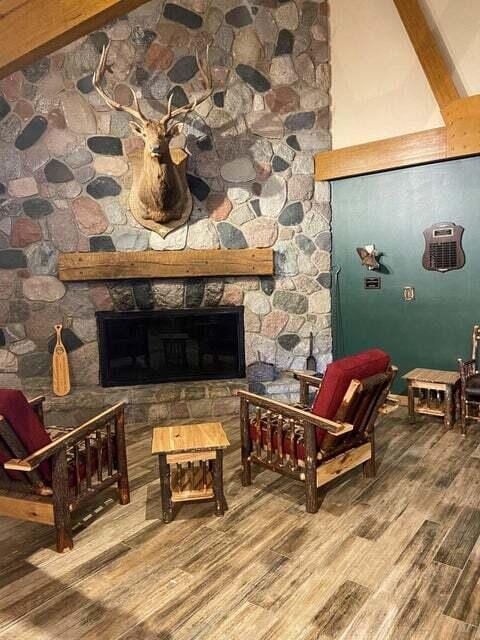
x=160 y=194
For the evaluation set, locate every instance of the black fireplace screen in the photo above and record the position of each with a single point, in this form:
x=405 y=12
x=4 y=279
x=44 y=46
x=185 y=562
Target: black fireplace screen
x=144 y=347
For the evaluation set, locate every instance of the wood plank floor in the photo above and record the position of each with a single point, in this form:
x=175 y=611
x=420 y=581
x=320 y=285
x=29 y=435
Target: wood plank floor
x=395 y=557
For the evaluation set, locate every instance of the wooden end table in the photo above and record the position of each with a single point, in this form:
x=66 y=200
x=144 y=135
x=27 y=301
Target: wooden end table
x=191 y=464
x=443 y=385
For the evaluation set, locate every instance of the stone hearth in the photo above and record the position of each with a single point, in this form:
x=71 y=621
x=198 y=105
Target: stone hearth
x=151 y=403
x=148 y=403
x=65 y=178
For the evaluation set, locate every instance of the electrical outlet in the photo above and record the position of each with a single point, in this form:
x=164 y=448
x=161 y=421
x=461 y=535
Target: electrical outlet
x=409 y=294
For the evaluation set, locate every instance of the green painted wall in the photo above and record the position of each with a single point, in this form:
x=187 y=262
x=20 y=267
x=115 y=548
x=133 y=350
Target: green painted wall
x=391 y=210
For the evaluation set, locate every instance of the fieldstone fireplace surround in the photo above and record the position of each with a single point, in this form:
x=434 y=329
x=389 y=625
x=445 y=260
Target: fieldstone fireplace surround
x=65 y=176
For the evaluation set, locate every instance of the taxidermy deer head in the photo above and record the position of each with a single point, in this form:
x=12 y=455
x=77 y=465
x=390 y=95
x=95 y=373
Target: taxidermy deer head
x=368 y=256
x=160 y=191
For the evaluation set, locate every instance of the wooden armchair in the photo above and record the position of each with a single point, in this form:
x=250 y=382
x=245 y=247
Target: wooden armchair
x=297 y=442
x=470 y=384
x=49 y=484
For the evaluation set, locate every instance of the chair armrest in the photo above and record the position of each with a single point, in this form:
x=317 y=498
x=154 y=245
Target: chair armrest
x=465 y=364
x=32 y=461
x=466 y=368
x=37 y=405
x=312 y=380
x=334 y=428
x=34 y=402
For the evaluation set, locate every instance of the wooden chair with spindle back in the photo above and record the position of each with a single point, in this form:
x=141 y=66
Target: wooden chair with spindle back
x=470 y=383
x=47 y=484
x=319 y=443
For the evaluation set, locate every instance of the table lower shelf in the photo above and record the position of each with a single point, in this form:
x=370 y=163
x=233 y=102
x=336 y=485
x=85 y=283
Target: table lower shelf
x=188 y=496
x=191 y=484
x=423 y=408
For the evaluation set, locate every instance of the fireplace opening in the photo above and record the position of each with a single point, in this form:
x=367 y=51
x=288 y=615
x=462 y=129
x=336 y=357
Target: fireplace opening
x=169 y=345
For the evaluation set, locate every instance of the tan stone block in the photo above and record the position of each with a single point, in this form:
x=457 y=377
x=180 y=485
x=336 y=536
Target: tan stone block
x=22 y=187
x=44 y=288
x=200 y=408
x=89 y=216
x=319 y=302
x=232 y=295
x=226 y=407
x=8 y=361
x=274 y=323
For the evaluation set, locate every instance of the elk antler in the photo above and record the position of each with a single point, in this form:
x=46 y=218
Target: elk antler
x=97 y=78
x=191 y=106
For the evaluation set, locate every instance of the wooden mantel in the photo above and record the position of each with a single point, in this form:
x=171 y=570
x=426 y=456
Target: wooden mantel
x=108 y=265
x=30 y=29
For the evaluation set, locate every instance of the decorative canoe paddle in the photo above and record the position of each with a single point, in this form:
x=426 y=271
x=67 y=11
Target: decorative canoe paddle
x=61 y=372
x=311 y=362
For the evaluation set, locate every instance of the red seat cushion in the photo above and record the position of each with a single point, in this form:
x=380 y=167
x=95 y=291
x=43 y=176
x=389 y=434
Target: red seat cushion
x=26 y=424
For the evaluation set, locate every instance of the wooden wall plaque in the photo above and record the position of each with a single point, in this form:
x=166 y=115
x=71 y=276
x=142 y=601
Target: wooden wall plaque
x=108 y=265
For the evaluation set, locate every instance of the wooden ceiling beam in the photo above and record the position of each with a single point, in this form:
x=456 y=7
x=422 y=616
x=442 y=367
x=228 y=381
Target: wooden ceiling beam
x=463 y=126
x=433 y=63
x=458 y=139
x=31 y=29
x=381 y=155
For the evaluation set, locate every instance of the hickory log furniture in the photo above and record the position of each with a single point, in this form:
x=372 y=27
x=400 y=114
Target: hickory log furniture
x=470 y=384
x=45 y=479
x=182 y=445
x=319 y=443
x=432 y=392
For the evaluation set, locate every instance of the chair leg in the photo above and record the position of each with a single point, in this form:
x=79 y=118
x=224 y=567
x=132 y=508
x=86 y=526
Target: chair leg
x=220 y=501
x=123 y=490
x=463 y=417
x=61 y=508
x=311 y=495
x=369 y=467
x=64 y=537
x=167 y=505
x=123 y=485
x=246 y=444
x=246 y=470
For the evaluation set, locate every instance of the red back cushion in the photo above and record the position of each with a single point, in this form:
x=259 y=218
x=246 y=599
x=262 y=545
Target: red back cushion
x=340 y=373
x=26 y=424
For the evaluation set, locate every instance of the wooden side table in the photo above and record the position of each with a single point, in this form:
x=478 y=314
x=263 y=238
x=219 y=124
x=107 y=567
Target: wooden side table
x=443 y=385
x=191 y=464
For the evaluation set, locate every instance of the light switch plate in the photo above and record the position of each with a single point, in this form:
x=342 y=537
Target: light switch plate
x=373 y=282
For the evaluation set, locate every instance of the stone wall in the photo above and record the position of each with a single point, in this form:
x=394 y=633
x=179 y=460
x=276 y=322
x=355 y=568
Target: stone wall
x=65 y=177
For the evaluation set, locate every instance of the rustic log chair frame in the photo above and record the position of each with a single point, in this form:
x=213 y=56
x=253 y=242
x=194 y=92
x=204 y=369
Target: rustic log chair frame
x=360 y=406
x=32 y=500
x=469 y=409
